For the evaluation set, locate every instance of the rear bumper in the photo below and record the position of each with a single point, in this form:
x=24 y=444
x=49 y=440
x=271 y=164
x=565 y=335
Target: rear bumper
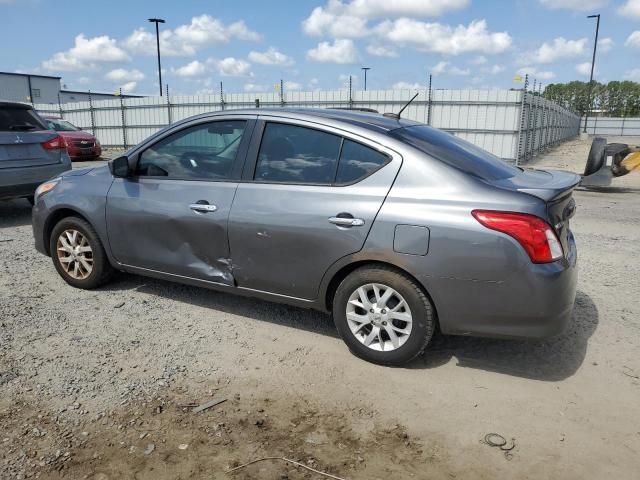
x=534 y=303
x=22 y=182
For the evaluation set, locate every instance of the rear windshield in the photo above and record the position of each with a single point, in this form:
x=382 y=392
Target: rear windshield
x=61 y=125
x=456 y=152
x=19 y=120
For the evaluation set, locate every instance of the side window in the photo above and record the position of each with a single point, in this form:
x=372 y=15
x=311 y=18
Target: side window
x=358 y=161
x=289 y=153
x=202 y=152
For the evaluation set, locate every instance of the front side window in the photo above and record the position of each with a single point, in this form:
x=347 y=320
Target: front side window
x=201 y=152
x=293 y=154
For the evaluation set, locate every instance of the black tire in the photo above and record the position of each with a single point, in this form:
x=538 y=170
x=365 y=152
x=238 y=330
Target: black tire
x=595 y=160
x=422 y=313
x=102 y=269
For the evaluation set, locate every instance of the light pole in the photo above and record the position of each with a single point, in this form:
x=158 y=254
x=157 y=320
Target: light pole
x=365 y=76
x=157 y=21
x=593 y=62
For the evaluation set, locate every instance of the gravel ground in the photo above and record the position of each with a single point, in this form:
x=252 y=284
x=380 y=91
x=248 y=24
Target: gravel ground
x=100 y=384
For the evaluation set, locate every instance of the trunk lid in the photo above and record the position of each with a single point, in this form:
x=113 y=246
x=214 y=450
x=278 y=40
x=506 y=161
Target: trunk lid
x=24 y=149
x=555 y=188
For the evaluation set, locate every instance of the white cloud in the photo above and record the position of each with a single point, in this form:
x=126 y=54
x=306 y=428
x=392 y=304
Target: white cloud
x=271 y=57
x=340 y=51
x=443 y=67
x=479 y=60
x=129 y=87
x=233 y=67
x=191 y=69
x=558 y=49
x=633 y=74
x=85 y=53
x=187 y=39
x=381 y=51
x=407 y=86
x=633 y=40
x=254 y=87
x=494 y=69
x=444 y=39
x=584 y=69
x=534 y=73
x=576 y=5
x=413 y=8
x=121 y=75
x=630 y=9
x=292 y=86
x=324 y=21
x=605 y=45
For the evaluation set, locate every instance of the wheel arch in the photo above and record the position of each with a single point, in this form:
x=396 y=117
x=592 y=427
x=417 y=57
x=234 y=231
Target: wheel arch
x=54 y=218
x=345 y=270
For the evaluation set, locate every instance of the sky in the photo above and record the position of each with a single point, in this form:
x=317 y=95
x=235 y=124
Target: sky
x=250 y=45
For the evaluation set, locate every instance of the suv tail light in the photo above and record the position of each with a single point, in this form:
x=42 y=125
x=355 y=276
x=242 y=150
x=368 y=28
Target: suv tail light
x=534 y=234
x=56 y=143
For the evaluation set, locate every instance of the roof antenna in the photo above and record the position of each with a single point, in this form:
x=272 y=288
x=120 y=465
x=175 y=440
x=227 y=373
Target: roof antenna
x=397 y=115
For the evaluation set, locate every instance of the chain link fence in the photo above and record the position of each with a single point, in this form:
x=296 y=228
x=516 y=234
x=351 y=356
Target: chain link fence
x=512 y=124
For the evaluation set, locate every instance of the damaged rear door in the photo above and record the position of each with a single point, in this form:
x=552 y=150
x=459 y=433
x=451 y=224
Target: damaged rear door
x=171 y=215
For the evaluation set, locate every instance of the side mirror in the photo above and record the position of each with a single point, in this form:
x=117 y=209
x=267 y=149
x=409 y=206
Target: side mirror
x=120 y=167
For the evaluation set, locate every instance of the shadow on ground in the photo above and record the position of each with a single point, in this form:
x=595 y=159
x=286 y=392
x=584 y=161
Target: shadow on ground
x=549 y=360
x=14 y=213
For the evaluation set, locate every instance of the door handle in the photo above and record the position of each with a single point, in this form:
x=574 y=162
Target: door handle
x=203 y=208
x=346 y=222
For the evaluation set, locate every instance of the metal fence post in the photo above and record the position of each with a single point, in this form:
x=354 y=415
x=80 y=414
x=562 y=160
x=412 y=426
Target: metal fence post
x=221 y=97
x=168 y=105
x=521 y=126
x=281 y=93
x=429 y=103
x=92 y=114
x=350 y=93
x=124 y=124
x=529 y=122
x=60 y=106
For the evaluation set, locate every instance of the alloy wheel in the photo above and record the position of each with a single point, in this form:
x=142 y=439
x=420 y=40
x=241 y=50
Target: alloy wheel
x=75 y=254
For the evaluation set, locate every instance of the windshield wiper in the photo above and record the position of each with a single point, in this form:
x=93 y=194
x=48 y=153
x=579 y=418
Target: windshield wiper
x=22 y=127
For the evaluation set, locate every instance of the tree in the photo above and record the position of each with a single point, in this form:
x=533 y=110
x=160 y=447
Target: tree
x=615 y=99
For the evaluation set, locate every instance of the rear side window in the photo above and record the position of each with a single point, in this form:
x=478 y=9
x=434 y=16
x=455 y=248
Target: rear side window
x=358 y=162
x=19 y=120
x=455 y=152
x=293 y=154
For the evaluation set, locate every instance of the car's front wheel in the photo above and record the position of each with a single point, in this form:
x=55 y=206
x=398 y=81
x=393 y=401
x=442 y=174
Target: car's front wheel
x=78 y=254
x=383 y=315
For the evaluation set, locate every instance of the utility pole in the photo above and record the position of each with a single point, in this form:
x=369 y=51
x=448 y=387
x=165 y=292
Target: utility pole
x=593 y=62
x=365 y=76
x=158 y=21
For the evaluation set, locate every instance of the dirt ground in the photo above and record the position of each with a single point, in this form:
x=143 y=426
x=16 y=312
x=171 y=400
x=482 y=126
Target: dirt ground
x=101 y=384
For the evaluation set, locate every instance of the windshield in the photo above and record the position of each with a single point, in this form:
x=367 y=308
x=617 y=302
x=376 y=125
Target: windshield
x=456 y=152
x=61 y=126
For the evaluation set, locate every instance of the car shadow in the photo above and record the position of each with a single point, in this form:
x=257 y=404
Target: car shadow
x=553 y=359
x=15 y=213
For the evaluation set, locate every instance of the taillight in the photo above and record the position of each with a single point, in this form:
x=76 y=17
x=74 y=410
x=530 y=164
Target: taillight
x=56 y=143
x=534 y=234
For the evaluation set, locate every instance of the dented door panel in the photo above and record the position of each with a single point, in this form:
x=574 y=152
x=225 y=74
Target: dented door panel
x=151 y=225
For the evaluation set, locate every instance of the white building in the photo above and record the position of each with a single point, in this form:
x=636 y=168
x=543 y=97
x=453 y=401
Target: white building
x=30 y=88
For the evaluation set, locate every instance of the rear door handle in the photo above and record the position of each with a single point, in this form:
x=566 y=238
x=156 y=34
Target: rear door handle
x=346 y=222
x=203 y=208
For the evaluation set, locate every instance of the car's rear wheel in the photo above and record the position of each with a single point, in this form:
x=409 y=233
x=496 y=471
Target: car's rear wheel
x=78 y=254
x=383 y=315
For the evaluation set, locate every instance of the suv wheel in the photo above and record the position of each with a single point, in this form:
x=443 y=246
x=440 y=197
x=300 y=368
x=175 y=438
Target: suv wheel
x=78 y=254
x=383 y=316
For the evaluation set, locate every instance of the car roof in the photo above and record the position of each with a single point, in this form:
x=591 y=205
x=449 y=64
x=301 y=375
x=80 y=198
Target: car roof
x=368 y=120
x=10 y=104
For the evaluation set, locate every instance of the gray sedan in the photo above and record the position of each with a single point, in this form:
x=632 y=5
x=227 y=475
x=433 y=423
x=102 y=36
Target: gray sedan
x=396 y=228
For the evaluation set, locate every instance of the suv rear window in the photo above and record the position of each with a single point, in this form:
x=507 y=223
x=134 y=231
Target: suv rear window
x=18 y=119
x=456 y=152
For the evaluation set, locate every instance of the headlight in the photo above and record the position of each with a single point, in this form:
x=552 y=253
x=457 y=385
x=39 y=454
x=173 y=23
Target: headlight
x=46 y=187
